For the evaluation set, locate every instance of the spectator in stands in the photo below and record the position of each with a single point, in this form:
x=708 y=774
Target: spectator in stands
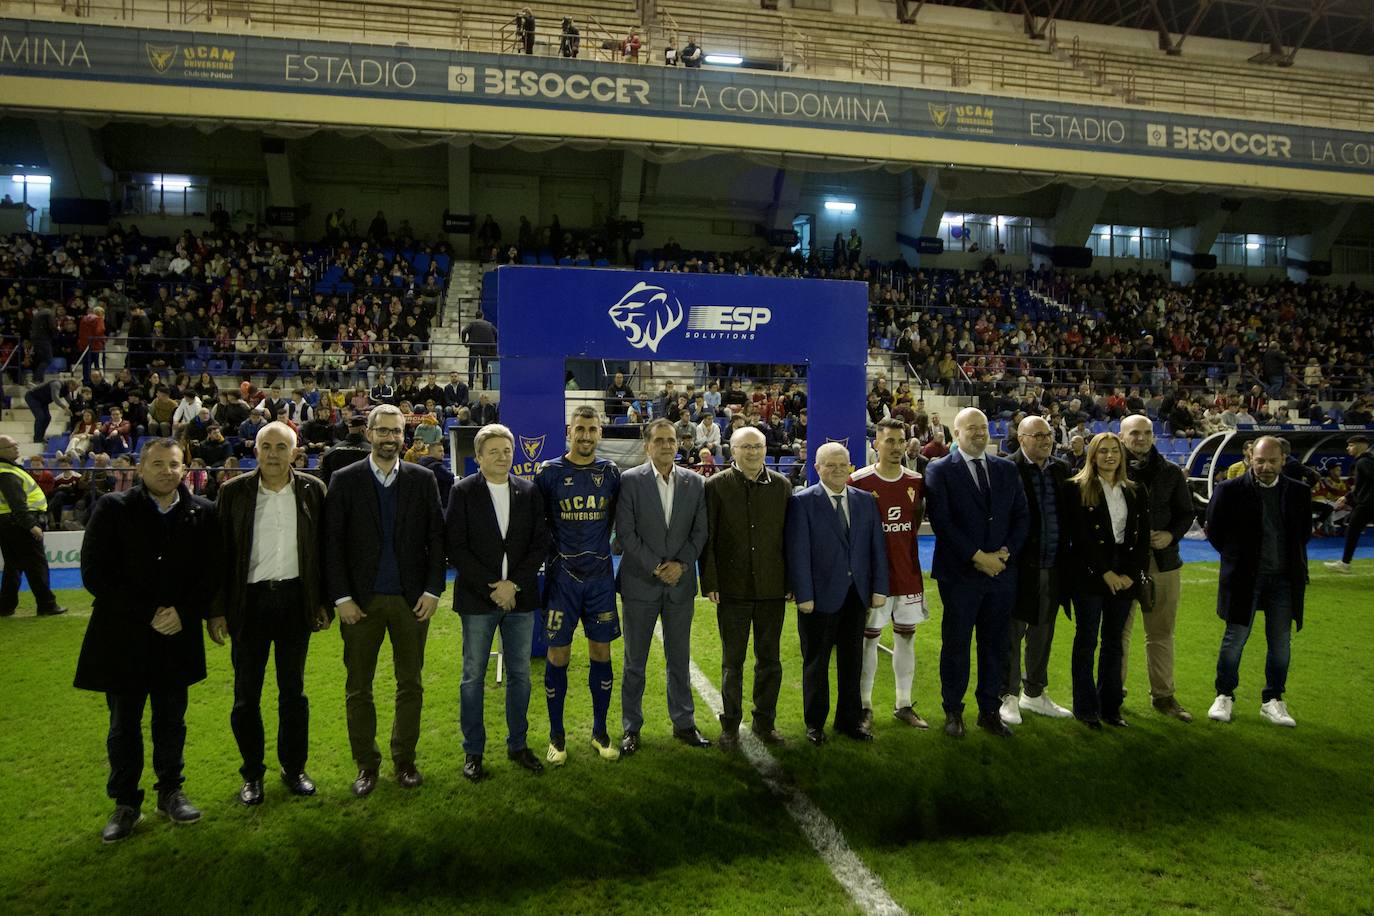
x=353 y=447
x=115 y=436
x=708 y=435
x=1328 y=504
x=484 y=411
x=160 y=413
x=185 y=413
x=619 y=396
x=42 y=396
x=377 y=229
x=937 y=447
x=248 y=432
x=84 y=435
x=214 y=449
x=41 y=475
x=854 y=246
x=524 y=30
x=568 y=45
x=629 y=48
x=1076 y=455
x=1274 y=363
x=90 y=340
x=692 y=55
x=480 y=337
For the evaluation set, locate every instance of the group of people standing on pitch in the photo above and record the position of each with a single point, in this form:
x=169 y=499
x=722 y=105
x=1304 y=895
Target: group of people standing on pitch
x=1016 y=540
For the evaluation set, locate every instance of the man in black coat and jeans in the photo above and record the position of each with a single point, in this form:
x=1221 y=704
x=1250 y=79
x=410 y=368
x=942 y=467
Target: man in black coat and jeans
x=143 y=561
x=1360 y=500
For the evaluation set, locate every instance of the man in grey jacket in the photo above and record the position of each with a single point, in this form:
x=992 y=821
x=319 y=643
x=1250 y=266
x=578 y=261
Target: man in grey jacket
x=660 y=525
x=1171 y=515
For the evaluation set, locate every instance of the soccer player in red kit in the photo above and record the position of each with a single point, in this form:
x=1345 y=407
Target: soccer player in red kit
x=901 y=505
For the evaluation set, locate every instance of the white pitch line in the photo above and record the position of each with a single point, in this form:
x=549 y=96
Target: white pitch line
x=863 y=886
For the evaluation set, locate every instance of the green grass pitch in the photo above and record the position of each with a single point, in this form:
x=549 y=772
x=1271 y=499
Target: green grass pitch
x=1161 y=817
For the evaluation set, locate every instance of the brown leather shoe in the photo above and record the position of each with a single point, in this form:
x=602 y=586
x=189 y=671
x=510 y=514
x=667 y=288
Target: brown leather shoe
x=1169 y=707
x=907 y=716
x=365 y=783
x=728 y=741
x=408 y=776
x=772 y=737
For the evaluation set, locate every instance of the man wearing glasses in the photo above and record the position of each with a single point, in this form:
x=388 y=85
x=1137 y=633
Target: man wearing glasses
x=385 y=579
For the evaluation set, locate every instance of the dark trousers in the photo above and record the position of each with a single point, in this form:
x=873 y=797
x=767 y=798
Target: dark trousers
x=1038 y=638
x=1360 y=516
x=41 y=408
x=984 y=608
x=1101 y=619
x=387 y=615
x=272 y=617
x=479 y=366
x=24 y=556
x=638 y=621
x=844 y=633
x=125 y=742
x=734 y=619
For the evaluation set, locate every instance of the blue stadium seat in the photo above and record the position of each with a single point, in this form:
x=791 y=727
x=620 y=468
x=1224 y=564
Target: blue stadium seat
x=57 y=444
x=601 y=262
x=443 y=261
x=58 y=364
x=217 y=367
x=565 y=261
x=546 y=259
x=528 y=259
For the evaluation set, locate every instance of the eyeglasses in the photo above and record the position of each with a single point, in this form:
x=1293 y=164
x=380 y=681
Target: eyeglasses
x=388 y=432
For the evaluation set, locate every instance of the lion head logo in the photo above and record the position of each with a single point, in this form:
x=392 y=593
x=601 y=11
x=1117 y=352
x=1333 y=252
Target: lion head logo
x=532 y=446
x=646 y=314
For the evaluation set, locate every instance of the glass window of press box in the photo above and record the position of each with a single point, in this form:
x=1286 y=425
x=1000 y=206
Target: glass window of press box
x=986 y=233
x=1143 y=243
x=1238 y=249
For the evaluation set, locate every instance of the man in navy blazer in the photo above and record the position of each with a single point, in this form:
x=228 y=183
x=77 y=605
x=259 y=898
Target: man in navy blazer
x=977 y=506
x=497 y=539
x=660 y=524
x=837 y=567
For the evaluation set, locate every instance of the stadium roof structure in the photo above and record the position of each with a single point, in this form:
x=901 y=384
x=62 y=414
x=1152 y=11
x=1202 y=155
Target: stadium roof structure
x=1284 y=26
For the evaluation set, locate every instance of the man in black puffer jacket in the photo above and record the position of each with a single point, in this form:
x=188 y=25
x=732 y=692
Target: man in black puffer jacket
x=1171 y=515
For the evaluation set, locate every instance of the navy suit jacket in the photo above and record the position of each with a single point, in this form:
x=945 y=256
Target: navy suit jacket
x=966 y=522
x=476 y=548
x=820 y=566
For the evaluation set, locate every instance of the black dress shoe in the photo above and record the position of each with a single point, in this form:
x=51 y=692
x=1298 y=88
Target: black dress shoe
x=954 y=724
x=728 y=741
x=1116 y=720
x=365 y=783
x=525 y=758
x=177 y=807
x=1094 y=724
x=816 y=736
x=121 y=824
x=301 y=784
x=472 y=768
x=251 y=793
x=629 y=744
x=689 y=736
x=9 y=612
x=772 y=737
x=991 y=722
x=52 y=612
x=858 y=733
x=409 y=777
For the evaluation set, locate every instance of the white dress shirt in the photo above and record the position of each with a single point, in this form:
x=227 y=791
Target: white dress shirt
x=665 y=494
x=274 y=554
x=844 y=502
x=973 y=470
x=386 y=480
x=500 y=501
x=1116 y=505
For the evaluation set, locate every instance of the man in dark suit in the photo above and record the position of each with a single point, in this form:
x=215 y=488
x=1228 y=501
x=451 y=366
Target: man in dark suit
x=143 y=560
x=353 y=448
x=660 y=524
x=384 y=570
x=977 y=506
x=837 y=567
x=497 y=540
x=1042 y=585
x=271 y=527
x=455 y=394
x=1260 y=523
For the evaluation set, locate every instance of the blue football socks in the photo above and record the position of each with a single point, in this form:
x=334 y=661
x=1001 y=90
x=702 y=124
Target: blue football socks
x=556 y=691
x=600 y=677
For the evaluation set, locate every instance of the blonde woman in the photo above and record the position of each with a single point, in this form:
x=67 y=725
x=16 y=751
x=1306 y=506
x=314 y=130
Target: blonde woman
x=1109 y=528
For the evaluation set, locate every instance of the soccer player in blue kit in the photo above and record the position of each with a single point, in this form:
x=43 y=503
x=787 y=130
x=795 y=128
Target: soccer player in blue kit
x=579 y=492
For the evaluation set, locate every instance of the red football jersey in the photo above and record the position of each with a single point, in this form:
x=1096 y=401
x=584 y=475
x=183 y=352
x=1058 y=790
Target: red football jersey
x=899 y=505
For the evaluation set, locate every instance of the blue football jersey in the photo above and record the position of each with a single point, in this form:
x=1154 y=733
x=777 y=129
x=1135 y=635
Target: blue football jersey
x=579 y=502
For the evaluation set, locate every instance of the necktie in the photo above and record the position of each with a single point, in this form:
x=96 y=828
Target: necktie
x=839 y=510
x=982 y=476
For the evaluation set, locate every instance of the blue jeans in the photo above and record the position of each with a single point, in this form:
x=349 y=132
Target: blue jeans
x=1272 y=595
x=517 y=635
x=1099 y=620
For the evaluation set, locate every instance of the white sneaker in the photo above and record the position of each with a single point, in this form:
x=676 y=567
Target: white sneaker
x=1009 y=713
x=557 y=756
x=1276 y=711
x=1339 y=566
x=1043 y=705
x=1221 y=708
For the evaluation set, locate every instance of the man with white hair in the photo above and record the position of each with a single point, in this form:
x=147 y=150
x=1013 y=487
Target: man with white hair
x=977 y=506
x=271 y=601
x=743 y=573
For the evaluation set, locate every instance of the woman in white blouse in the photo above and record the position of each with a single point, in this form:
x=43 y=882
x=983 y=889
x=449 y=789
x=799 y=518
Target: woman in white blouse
x=1109 y=529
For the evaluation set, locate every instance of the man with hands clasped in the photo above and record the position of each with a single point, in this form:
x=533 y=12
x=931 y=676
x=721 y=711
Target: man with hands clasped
x=142 y=561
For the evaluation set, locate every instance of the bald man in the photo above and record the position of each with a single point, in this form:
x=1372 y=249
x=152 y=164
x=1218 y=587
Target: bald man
x=977 y=506
x=1171 y=515
x=1260 y=524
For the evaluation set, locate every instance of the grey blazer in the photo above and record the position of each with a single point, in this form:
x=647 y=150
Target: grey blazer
x=645 y=541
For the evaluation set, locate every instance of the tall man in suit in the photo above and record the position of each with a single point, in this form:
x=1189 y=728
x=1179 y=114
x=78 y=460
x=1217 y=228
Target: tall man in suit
x=384 y=571
x=660 y=524
x=497 y=539
x=977 y=506
x=1260 y=524
x=1042 y=575
x=271 y=524
x=837 y=566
